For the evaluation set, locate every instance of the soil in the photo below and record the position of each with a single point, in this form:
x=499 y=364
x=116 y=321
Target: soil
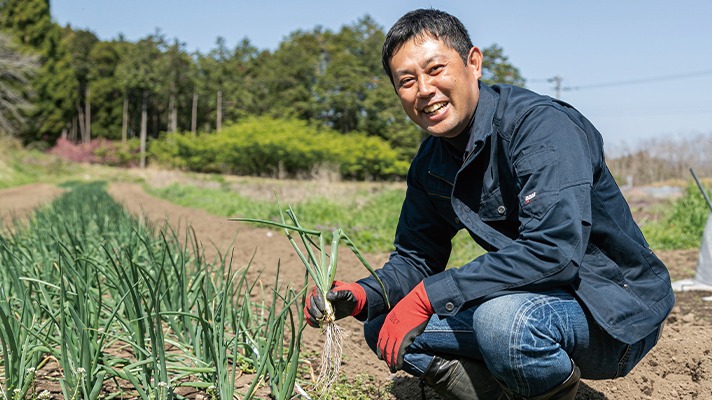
x=17 y=202
x=679 y=367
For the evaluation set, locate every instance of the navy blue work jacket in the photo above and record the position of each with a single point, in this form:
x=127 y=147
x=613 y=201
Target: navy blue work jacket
x=534 y=191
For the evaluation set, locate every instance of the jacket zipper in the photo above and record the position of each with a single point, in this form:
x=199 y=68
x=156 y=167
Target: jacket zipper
x=444 y=180
x=441 y=178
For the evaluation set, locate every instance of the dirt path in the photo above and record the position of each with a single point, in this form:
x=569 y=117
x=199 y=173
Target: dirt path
x=679 y=367
x=17 y=202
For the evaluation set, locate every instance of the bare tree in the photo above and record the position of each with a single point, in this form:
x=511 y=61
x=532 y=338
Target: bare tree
x=125 y=121
x=662 y=159
x=174 y=114
x=194 y=117
x=87 y=124
x=144 y=121
x=219 y=118
x=82 y=127
x=15 y=69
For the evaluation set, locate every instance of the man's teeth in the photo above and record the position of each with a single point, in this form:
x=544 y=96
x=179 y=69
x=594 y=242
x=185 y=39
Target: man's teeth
x=435 y=107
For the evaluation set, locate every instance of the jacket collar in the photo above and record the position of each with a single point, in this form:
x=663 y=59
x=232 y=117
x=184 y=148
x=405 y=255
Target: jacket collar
x=441 y=164
x=484 y=119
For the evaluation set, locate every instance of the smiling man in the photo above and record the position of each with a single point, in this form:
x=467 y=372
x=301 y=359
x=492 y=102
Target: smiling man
x=569 y=288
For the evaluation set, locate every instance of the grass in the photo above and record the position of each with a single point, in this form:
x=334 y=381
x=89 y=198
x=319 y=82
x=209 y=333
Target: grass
x=368 y=217
x=21 y=167
x=363 y=387
x=681 y=224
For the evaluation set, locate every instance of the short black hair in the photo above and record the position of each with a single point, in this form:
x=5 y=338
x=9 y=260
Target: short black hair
x=438 y=24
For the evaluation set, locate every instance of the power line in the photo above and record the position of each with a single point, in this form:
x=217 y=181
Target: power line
x=644 y=80
x=558 y=79
x=643 y=113
x=638 y=81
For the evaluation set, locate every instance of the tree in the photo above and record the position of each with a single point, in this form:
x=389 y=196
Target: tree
x=54 y=84
x=15 y=70
x=138 y=73
x=287 y=77
x=354 y=92
x=214 y=72
x=174 y=70
x=106 y=94
x=384 y=117
x=343 y=82
x=79 y=44
x=497 y=69
x=239 y=94
x=195 y=83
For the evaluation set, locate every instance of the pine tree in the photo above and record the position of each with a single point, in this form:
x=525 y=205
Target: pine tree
x=55 y=85
x=15 y=70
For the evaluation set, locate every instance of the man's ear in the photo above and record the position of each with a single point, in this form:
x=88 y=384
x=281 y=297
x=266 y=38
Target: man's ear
x=474 y=61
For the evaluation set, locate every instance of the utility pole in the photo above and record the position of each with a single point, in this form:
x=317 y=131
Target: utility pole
x=557 y=79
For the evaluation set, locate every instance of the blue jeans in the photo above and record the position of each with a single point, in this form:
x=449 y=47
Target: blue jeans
x=527 y=341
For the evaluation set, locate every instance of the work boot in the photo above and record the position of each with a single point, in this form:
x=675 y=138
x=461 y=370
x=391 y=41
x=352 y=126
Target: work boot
x=565 y=391
x=461 y=379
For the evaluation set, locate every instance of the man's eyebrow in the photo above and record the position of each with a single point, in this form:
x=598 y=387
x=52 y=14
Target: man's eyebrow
x=424 y=64
x=398 y=73
x=430 y=60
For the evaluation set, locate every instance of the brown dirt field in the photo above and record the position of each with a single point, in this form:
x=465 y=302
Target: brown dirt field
x=17 y=202
x=679 y=367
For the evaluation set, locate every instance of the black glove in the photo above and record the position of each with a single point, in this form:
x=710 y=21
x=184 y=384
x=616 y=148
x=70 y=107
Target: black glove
x=347 y=299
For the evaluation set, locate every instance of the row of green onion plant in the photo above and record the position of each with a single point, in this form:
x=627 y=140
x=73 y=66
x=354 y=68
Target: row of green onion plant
x=112 y=297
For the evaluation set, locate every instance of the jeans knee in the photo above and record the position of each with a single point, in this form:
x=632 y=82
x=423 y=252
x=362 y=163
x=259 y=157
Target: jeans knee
x=371 y=329
x=510 y=329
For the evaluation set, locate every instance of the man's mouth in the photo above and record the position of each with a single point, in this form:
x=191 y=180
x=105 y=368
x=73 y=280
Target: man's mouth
x=434 y=108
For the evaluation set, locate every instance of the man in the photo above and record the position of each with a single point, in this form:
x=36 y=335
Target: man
x=569 y=287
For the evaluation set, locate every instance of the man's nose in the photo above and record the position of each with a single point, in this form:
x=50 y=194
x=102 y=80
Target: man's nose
x=425 y=86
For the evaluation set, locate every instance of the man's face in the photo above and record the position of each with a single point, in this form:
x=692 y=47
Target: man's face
x=437 y=90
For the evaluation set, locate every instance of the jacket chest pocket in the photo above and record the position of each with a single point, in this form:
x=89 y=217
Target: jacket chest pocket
x=438 y=187
x=495 y=207
x=439 y=191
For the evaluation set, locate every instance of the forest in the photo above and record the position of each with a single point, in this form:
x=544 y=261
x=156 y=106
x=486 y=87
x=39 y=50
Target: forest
x=68 y=82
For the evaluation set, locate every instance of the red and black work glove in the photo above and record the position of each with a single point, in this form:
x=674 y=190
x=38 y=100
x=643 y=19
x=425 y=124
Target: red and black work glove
x=347 y=299
x=403 y=323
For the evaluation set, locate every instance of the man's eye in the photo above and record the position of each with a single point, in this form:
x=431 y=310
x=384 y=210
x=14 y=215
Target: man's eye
x=436 y=68
x=406 y=81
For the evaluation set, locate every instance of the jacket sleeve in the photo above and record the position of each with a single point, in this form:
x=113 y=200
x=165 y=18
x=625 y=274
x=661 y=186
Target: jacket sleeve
x=549 y=154
x=422 y=248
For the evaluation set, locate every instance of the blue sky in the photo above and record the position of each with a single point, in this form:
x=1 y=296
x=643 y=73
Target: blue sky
x=643 y=68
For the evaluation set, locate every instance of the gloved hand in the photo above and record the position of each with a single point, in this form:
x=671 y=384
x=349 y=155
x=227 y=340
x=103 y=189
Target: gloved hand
x=403 y=323
x=347 y=299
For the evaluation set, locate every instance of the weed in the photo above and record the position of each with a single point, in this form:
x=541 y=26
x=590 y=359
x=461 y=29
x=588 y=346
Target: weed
x=681 y=225
x=363 y=387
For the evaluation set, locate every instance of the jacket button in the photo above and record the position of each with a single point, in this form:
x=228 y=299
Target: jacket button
x=501 y=210
x=449 y=307
x=457 y=221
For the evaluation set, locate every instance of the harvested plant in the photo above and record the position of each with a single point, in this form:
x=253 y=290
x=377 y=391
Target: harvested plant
x=321 y=267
